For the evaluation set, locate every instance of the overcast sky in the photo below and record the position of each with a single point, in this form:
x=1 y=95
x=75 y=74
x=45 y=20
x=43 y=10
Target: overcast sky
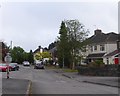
x=30 y=24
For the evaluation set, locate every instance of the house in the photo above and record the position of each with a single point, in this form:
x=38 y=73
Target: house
x=39 y=50
x=101 y=45
x=111 y=58
x=3 y=51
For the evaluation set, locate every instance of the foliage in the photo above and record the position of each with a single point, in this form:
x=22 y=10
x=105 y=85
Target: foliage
x=42 y=55
x=38 y=56
x=76 y=36
x=63 y=47
x=30 y=57
x=96 y=64
x=46 y=55
x=17 y=54
x=71 y=41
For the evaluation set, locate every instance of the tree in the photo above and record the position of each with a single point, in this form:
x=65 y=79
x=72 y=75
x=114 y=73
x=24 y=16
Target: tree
x=17 y=54
x=46 y=55
x=63 y=47
x=30 y=57
x=76 y=36
x=39 y=55
x=25 y=56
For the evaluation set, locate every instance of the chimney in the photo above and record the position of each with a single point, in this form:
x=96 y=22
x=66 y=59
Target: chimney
x=97 y=32
x=39 y=47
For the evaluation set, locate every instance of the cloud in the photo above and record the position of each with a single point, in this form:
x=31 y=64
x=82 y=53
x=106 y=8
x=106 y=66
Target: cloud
x=32 y=24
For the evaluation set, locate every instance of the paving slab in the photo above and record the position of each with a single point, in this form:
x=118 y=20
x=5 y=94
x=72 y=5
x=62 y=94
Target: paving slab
x=106 y=81
x=15 y=86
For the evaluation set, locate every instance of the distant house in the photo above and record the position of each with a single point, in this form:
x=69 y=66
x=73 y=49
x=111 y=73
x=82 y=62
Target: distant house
x=101 y=45
x=3 y=51
x=39 y=50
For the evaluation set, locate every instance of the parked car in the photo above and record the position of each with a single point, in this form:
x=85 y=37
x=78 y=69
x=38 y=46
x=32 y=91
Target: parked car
x=26 y=63
x=39 y=65
x=14 y=66
x=4 y=67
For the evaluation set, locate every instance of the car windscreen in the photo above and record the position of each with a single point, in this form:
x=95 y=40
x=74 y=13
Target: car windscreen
x=2 y=64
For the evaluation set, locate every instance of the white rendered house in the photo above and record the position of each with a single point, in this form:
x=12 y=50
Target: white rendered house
x=100 y=44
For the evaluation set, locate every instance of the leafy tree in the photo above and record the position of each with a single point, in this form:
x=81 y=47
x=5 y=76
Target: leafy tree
x=46 y=55
x=38 y=56
x=63 y=47
x=25 y=56
x=42 y=55
x=76 y=35
x=17 y=54
x=30 y=57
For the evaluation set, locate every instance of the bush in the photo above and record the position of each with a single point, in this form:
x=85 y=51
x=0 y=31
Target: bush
x=96 y=64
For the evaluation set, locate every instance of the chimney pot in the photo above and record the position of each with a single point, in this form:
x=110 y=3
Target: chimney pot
x=98 y=31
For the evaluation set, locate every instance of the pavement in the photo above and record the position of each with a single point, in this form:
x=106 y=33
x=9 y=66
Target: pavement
x=13 y=87
x=106 y=81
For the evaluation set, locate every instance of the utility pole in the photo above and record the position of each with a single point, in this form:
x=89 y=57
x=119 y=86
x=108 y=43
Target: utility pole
x=11 y=44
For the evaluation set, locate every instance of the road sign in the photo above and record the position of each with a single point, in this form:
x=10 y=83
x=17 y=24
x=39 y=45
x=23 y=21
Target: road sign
x=8 y=58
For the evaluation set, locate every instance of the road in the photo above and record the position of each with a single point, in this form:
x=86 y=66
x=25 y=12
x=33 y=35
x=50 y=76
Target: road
x=48 y=82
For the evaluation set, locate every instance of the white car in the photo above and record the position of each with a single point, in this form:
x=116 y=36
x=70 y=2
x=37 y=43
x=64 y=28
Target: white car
x=26 y=63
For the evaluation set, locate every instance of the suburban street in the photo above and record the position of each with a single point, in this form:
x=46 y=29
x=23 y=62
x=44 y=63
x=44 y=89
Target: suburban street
x=49 y=82
x=59 y=47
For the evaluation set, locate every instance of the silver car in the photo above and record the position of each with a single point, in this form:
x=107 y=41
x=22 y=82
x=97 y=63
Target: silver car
x=26 y=63
x=39 y=65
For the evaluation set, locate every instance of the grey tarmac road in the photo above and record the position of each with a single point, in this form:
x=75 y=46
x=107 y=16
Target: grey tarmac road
x=48 y=82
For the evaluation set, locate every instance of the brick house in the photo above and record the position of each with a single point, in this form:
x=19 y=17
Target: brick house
x=3 y=51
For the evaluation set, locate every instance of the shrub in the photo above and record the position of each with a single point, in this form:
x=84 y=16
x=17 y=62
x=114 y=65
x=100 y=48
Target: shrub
x=96 y=64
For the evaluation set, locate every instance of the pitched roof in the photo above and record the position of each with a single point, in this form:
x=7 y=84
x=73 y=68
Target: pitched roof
x=115 y=52
x=100 y=37
x=39 y=48
x=53 y=50
x=97 y=55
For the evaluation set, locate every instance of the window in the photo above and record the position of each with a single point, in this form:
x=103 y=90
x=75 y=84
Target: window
x=91 y=47
x=102 y=47
x=95 y=47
